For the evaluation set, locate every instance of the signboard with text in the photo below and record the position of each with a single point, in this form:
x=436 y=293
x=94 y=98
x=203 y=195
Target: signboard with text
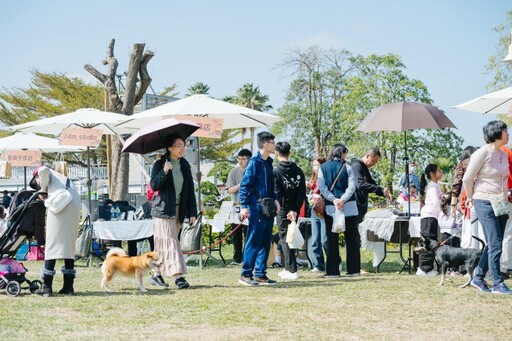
x=81 y=137
x=19 y=158
x=208 y=127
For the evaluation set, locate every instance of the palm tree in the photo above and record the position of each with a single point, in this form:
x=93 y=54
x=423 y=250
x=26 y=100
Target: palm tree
x=198 y=88
x=251 y=97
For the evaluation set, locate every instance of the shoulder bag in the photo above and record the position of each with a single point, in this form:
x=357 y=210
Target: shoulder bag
x=59 y=199
x=319 y=205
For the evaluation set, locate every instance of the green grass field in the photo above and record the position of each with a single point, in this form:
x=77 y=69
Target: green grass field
x=384 y=306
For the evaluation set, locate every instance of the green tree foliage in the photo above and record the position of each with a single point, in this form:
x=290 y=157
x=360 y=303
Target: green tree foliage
x=170 y=91
x=198 y=88
x=500 y=70
x=47 y=95
x=216 y=150
x=331 y=92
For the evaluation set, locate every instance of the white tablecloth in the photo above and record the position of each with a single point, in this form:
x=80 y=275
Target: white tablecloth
x=382 y=223
x=123 y=229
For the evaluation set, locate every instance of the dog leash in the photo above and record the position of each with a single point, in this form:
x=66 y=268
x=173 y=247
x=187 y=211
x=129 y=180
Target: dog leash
x=217 y=242
x=443 y=242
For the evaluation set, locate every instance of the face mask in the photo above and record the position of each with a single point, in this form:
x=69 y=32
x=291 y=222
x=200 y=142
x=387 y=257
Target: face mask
x=412 y=169
x=315 y=168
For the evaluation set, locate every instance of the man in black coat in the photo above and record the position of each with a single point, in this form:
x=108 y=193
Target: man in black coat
x=365 y=182
x=290 y=186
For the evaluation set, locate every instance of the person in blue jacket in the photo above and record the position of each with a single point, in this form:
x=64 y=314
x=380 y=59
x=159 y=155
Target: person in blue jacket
x=258 y=182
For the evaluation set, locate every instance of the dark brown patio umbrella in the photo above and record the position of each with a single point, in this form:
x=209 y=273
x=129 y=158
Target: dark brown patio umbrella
x=403 y=116
x=156 y=135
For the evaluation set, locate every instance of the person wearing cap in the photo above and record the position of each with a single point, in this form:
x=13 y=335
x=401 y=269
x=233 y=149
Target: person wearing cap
x=61 y=231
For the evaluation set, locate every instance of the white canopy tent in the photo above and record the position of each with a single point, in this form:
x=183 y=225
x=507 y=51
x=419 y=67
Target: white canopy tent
x=31 y=141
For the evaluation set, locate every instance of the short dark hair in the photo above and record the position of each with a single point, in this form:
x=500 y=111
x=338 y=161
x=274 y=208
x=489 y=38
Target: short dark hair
x=466 y=153
x=373 y=151
x=283 y=148
x=494 y=130
x=245 y=152
x=263 y=137
x=337 y=151
x=6 y=192
x=173 y=139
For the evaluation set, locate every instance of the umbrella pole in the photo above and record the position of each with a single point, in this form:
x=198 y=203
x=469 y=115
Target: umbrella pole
x=198 y=174
x=406 y=158
x=24 y=176
x=89 y=181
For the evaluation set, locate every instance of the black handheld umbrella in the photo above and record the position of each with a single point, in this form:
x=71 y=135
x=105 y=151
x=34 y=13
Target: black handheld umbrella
x=156 y=135
x=403 y=116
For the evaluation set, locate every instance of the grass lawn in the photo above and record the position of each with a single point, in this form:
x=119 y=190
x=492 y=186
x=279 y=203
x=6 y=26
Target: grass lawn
x=375 y=306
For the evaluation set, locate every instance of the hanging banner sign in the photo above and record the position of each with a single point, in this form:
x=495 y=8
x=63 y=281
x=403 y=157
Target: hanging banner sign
x=208 y=127
x=81 y=137
x=18 y=158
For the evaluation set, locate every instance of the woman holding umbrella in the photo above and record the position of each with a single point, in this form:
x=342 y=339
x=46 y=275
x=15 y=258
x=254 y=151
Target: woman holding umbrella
x=173 y=201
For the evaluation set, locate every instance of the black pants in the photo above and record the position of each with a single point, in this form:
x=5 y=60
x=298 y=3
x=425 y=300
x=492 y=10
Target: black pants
x=353 y=245
x=237 y=238
x=429 y=229
x=132 y=245
x=50 y=264
x=290 y=255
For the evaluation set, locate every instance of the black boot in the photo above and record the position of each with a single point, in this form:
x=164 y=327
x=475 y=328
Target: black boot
x=47 y=277
x=69 y=278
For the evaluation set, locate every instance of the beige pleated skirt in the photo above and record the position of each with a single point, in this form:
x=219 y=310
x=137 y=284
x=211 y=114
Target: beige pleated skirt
x=165 y=233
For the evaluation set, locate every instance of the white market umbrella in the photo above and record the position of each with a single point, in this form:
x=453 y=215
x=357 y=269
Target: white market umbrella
x=498 y=102
x=31 y=141
x=25 y=140
x=234 y=116
x=81 y=118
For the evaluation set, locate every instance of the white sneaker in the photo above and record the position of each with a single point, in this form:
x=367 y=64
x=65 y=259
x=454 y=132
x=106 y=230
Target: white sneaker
x=291 y=276
x=432 y=273
x=316 y=270
x=420 y=272
x=283 y=273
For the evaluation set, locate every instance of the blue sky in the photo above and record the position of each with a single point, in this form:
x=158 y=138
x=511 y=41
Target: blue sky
x=225 y=44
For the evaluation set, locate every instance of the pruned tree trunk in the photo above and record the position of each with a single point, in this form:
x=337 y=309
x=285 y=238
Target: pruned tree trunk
x=134 y=90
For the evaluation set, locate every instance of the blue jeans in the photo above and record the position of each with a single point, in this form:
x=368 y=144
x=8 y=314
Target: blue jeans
x=257 y=244
x=319 y=241
x=494 y=228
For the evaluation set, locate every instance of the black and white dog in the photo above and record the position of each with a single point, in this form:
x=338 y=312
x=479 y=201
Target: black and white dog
x=448 y=256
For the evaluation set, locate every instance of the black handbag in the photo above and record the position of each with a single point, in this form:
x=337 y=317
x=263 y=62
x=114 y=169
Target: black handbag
x=268 y=207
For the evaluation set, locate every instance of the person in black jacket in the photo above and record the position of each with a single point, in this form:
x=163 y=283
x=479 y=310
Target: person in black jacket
x=174 y=200
x=290 y=186
x=365 y=182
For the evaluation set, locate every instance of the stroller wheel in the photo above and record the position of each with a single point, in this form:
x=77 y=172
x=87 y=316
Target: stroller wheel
x=13 y=288
x=35 y=285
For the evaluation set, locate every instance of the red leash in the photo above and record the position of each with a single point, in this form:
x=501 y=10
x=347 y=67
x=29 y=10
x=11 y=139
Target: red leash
x=216 y=243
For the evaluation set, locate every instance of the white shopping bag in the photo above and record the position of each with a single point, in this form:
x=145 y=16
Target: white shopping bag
x=338 y=224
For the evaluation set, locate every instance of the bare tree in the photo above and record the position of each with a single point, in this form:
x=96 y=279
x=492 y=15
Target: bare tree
x=137 y=82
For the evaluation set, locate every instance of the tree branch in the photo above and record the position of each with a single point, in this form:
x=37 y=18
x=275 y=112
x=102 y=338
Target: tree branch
x=98 y=75
x=145 y=79
x=131 y=78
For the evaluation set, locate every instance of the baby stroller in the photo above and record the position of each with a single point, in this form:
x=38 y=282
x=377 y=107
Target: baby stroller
x=27 y=214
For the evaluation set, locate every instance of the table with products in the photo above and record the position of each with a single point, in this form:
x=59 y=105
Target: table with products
x=381 y=227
